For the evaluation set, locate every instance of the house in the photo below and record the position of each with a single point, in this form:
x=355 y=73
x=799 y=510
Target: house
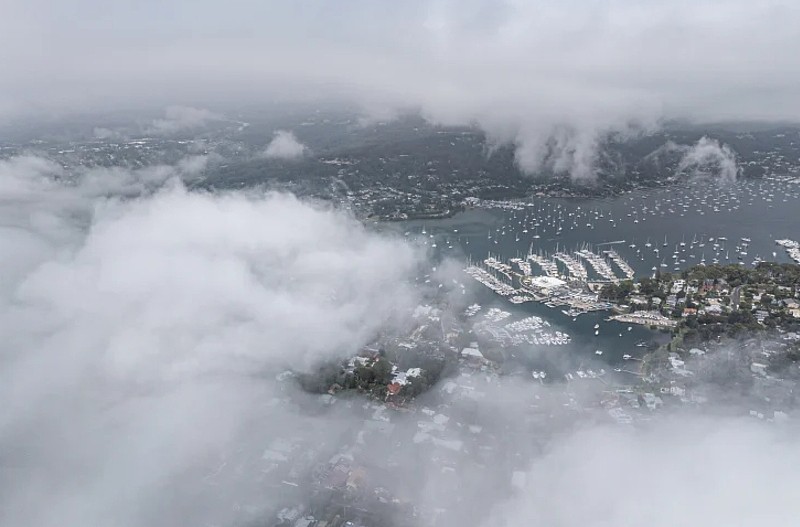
x=638 y=300
x=473 y=355
x=356 y=478
x=394 y=388
x=713 y=309
x=791 y=303
x=672 y=300
x=689 y=311
x=337 y=477
x=651 y=401
x=678 y=285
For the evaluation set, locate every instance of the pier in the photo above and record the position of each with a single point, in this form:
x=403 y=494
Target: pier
x=792 y=248
x=646 y=318
x=575 y=268
x=573 y=291
x=548 y=266
x=599 y=265
x=626 y=269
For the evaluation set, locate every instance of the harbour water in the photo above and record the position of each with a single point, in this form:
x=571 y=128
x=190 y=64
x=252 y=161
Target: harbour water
x=666 y=229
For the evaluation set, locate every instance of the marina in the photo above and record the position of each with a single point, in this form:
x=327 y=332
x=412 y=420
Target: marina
x=637 y=233
x=699 y=223
x=565 y=286
x=792 y=248
x=646 y=318
x=531 y=330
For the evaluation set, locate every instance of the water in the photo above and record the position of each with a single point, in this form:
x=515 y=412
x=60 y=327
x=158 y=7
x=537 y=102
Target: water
x=691 y=218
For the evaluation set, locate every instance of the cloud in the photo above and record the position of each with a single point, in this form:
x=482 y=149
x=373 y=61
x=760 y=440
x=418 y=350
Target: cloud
x=143 y=328
x=105 y=133
x=682 y=470
x=182 y=118
x=284 y=146
x=551 y=78
x=195 y=164
x=706 y=156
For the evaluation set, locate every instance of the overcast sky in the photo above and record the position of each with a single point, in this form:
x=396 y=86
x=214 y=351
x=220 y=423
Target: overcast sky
x=142 y=323
x=530 y=73
x=508 y=63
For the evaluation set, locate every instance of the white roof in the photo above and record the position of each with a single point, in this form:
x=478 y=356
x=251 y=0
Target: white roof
x=472 y=352
x=546 y=281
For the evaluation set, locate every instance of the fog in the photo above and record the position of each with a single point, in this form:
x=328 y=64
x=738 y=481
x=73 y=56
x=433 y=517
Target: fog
x=141 y=333
x=181 y=118
x=685 y=471
x=146 y=332
x=706 y=158
x=284 y=145
x=552 y=78
x=153 y=335
x=707 y=155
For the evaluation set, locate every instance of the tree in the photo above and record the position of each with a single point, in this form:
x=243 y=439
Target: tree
x=366 y=376
x=382 y=371
x=648 y=286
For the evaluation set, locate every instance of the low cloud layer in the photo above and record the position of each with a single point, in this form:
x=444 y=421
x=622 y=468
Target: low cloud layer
x=676 y=471
x=551 y=78
x=182 y=118
x=144 y=326
x=706 y=158
x=284 y=146
x=709 y=157
x=147 y=330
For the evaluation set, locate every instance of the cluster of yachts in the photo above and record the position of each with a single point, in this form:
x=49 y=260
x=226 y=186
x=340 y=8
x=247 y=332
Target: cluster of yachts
x=554 y=217
x=549 y=221
x=792 y=248
x=559 y=285
x=694 y=252
x=486 y=278
x=607 y=266
x=529 y=330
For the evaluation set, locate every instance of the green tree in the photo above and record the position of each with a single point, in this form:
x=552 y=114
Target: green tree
x=383 y=371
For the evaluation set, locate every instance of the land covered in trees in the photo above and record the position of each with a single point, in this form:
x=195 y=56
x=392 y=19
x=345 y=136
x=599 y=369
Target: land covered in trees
x=717 y=300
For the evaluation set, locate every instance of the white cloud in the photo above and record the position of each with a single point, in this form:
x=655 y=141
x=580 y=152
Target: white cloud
x=707 y=156
x=143 y=327
x=552 y=78
x=195 y=164
x=675 y=471
x=105 y=133
x=181 y=118
x=284 y=146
